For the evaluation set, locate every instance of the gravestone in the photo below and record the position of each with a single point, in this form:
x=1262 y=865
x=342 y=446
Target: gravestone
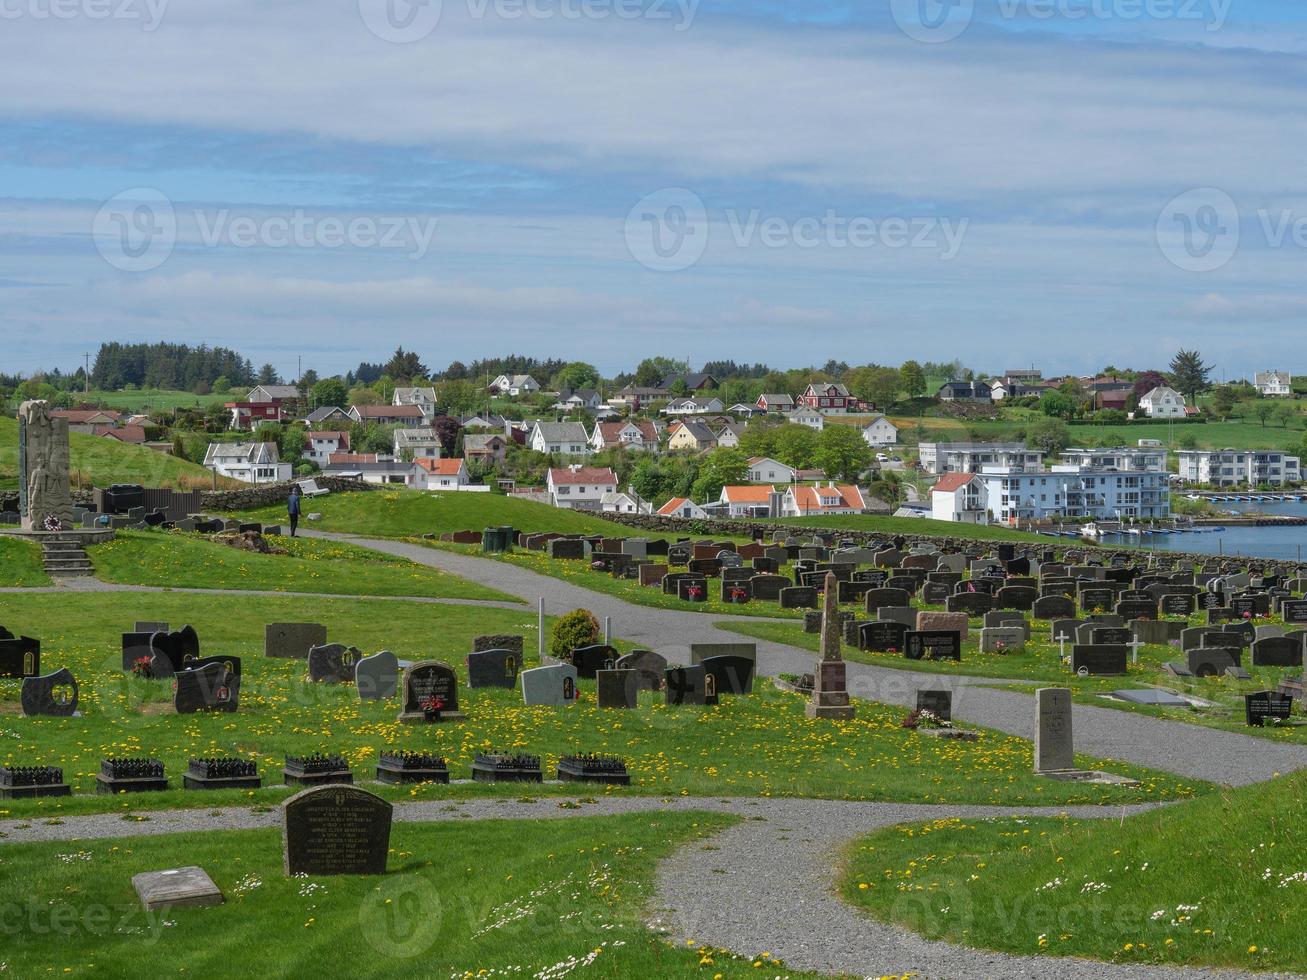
x=1097 y=597
x=930 y=622
x=1015 y=597
x=1002 y=639
x=830 y=694
x=184 y=888
x=1178 y=605
x=1054 y=747
x=648 y=666
x=933 y=645
x=54 y=695
x=1264 y=706
x=731 y=675
x=799 y=597
x=590 y=660
x=43 y=491
x=885 y=596
x=699 y=652
x=377 y=677
x=1053 y=607
x=150 y=626
x=1211 y=661
x=883 y=636
x=938 y=703
x=211 y=686
x=493 y=668
x=686 y=685
x=335 y=830
x=430 y=682
x=651 y=574
x=170 y=652
x=292 y=640
x=768 y=587
x=1098 y=660
x=617 y=688
x=20 y=656
x=333 y=663
x=1095 y=635
x=1294 y=610
x=553 y=686
x=1137 y=608
x=1277 y=651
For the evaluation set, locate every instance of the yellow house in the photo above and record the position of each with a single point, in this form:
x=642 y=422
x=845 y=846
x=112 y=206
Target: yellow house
x=691 y=435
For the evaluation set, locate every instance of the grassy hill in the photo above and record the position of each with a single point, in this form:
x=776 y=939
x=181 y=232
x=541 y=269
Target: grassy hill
x=100 y=462
x=146 y=400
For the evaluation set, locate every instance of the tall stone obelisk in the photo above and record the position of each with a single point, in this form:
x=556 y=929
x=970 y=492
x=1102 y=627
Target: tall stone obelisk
x=43 y=467
x=830 y=695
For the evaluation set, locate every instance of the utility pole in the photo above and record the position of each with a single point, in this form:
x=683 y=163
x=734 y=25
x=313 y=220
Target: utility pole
x=88 y=373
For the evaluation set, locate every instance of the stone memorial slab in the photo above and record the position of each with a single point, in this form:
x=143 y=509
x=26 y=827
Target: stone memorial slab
x=20 y=656
x=213 y=685
x=52 y=696
x=333 y=663
x=150 y=626
x=1053 y=607
x=1151 y=696
x=430 y=693
x=1211 y=661
x=292 y=640
x=1277 y=651
x=617 y=688
x=190 y=888
x=933 y=645
x=377 y=677
x=1002 y=639
x=589 y=660
x=1137 y=608
x=170 y=652
x=686 y=685
x=1264 y=706
x=928 y=622
x=335 y=830
x=938 y=703
x=493 y=668
x=798 y=597
x=1099 y=660
x=730 y=675
x=883 y=636
x=1015 y=597
x=1054 y=745
x=648 y=666
x=1178 y=605
x=553 y=686
x=885 y=596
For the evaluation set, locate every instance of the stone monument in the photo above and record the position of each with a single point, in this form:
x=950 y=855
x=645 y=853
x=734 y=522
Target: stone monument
x=830 y=695
x=43 y=467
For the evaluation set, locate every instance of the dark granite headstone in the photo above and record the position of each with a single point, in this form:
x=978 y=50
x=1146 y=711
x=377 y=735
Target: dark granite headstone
x=333 y=663
x=883 y=636
x=686 y=685
x=211 y=685
x=1277 y=651
x=292 y=640
x=54 y=695
x=20 y=656
x=938 y=703
x=430 y=681
x=590 y=660
x=1099 y=659
x=1266 y=706
x=493 y=668
x=335 y=830
x=731 y=675
x=933 y=645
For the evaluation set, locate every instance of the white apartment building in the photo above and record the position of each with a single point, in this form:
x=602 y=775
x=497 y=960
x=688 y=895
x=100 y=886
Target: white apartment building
x=972 y=457
x=1143 y=460
x=1239 y=467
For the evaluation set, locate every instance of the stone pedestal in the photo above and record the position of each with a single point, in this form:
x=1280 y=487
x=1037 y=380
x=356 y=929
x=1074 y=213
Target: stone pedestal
x=830 y=696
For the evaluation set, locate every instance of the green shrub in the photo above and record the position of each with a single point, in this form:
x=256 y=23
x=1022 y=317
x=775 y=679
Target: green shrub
x=579 y=628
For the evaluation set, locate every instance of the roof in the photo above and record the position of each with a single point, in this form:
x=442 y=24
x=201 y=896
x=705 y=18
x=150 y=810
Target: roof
x=339 y=435
x=563 y=432
x=583 y=474
x=389 y=411
x=609 y=431
x=405 y=395
x=341 y=459
x=135 y=434
x=828 y=388
x=777 y=399
x=275 y=391
x=79 y=416
x=322 y=414
x=698 y=431
x=691 y=380
x=414 y=437
x=747 y=494
x=950 y=482
x=481 y=443
x=880 y=418
x=673 y=505
x=828 y=498
x=442 y=467
x=755 y=460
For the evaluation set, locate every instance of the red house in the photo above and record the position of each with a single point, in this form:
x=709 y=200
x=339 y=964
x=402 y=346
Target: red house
x=827 y=398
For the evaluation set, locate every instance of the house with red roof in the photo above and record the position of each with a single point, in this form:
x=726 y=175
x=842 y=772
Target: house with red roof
x=684 y=508
x=580 y=487
x=959 y=498
x=804 y=501
x=441 y=474
x=749 y=501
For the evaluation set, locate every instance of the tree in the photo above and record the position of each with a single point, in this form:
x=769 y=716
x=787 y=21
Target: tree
x=576 y=629
x=268 y=375
x=1189 y=375
x=363 y=395
x=292 y=443
x=1147 y=381
x=1050 y=435
x=447 y=430
x=575 y=376
x=652 y=370
x=1284 y=414
x=404 y=366
x=1224 y=399
x=912 y=379
x=1055 y=404
x=720 y=468
x=458 y=397
x=876 y=385
x=1262 y=410
x=795 y=445
x=329 y=393
x=842 y=452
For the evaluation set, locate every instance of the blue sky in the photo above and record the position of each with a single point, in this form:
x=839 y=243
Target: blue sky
x=1065 y=182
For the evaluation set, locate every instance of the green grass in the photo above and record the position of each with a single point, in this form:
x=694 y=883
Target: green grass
x=757 y=745
x=1219 y=882
x=916 y=525
x=101 y=462
x=408 y=513
x=508 y=897
x=179 y=560
x=20 y=564
x=147 y=400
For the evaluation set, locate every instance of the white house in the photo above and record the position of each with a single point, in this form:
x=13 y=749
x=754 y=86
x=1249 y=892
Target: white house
x=830 y=499
x=639 y=434
x=249 y=462
x=959 y=498
x=624 y=502
x=268 y=394
x=880 y=431
x=972 y=457
x=765 y=470
x=416 y=444
x=684 y=508
x=1274 y=384
x=583 y=399
x=746 y=501
x=1163 y=403
x=423 y=398
x=808 y=417
x=560 y=438
x=322 y=443
x=580 y=487
x=514 y=385
x=369 y=468
x=729 y=436
x=440 y=474
x=694 y=406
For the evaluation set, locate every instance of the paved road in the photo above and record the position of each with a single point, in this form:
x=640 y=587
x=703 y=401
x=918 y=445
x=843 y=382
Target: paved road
x=1190 y=751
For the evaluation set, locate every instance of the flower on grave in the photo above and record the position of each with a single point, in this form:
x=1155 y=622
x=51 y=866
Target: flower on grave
x=924 y=718
x=694 y=592
x=892 y=650
x=1000 y=646
x=433 y=703
x=1248 y=615
x=141 y=668
x=52 y=523
x=737 y=594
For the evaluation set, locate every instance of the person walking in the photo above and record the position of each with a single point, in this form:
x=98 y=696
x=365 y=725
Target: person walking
x=293 y=508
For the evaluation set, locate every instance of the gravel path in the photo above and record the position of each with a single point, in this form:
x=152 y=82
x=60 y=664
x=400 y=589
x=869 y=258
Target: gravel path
x=1190 y=751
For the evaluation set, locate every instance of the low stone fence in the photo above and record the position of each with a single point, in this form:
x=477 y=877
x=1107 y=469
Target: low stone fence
x=246 y=498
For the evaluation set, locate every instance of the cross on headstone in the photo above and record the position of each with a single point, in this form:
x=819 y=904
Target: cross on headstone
x=1134 y=646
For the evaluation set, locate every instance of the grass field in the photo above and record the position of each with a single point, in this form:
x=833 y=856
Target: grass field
x=178 y=560
x=490 y=898
x=20 y=564
x=1219 y=881
x=147 y=400
x=756 y=745
x=917 y=525
x=102 y=462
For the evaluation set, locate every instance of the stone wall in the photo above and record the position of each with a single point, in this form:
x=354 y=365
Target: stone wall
x=247 y=498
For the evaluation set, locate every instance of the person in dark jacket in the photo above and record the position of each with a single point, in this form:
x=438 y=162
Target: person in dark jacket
x=293 y=508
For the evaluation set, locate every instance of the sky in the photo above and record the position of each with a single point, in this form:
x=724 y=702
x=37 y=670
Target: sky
x=1060 y=183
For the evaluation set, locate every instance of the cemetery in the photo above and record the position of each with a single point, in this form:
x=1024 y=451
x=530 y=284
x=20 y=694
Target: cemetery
x=328 y=733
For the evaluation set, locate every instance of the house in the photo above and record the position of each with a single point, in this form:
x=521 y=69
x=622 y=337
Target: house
x=416 y=444
x=959 y=498
x=635 y=397
x=972 y=457
x=690 y=434
x=484 y=420
x=999 y=390
x=763 y=469
x=132 y=434
x=806 y=416
x=804 y=501
x=324 y=442
x=441 y=474
x=581 y=400
x=684 y=508
x=326 y=417
x=965 y=391
x=728 y=436
x=827 y=398
x=1239 y=467
x=423 y=398
x=269 y=394
x=383 y=472
x=1163 y=403
x=1017 y=377
x=693 y=406
x=354 y=459
x=1145 y=459
x=580 y=487
x=639 y=434
x=776 y=403
x=266 y=403
x=388 y=414
x=624 y=502
x=86 y=421
x=692 y=382
x=880 y=431
x=487 y=448
x=560 y=438
x=514 y=385
x=1274 y=384
x=750 y=501
x=809 y=476
x=1113 y=400
x=748 y=411
x=249 y=462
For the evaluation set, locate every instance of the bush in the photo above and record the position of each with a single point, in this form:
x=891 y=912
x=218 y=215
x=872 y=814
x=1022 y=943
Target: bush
x=579 y=628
